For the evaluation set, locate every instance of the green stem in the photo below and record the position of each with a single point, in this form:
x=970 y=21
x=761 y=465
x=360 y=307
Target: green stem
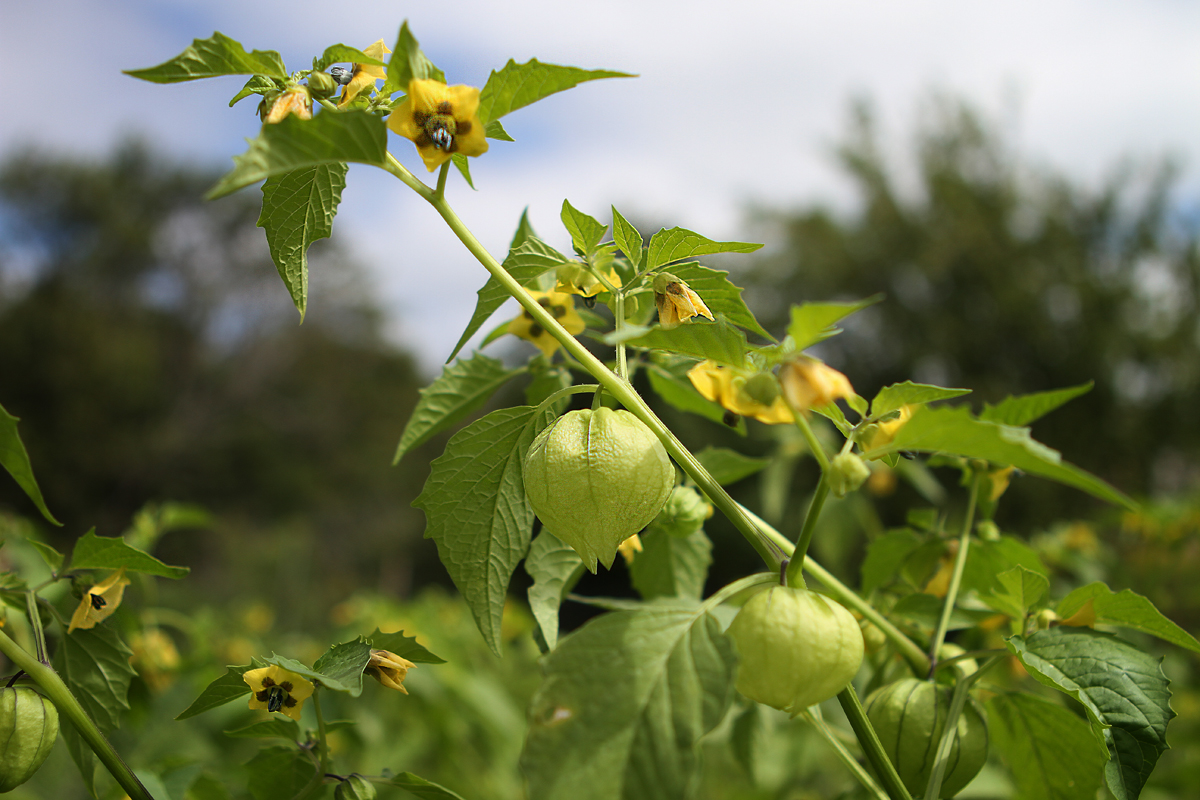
x=843 y=754
x=619 y=312
x=960 y=563
x=440 y=191
x=322 y=747
x=740 y=585
x=795 y=570
x=58 y=693
x=35 y=622
x=814 y=444
x=957 y=703
x=872 y=747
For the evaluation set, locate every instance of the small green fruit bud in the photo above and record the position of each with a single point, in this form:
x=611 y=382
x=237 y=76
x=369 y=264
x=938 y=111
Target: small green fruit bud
x=684 y=514
x=1045 y=618
x=28 y=728
x=987 y=530
x=356 y=787
x=763 y=387
x=321 y=84
x=846 y=473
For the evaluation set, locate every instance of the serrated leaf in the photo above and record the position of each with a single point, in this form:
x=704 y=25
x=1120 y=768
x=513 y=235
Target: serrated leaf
x=408 y=62
x=273 y=728
x=211 y=57
x=95 y=666
x=1050 y=752
x=1026 y=408
x=814 y=322
x=280 y=773
x=494 y=130
x=15 y=460
x=955 y=431
x=332 y=682
x=345 y=663
x=1020 y=590
x=525 y=262
x=718 y=341
x=986 y=560
x=462 y=387
x=586 y=231
x=624 y=704
x=671 y=566
x=1122 y=688
x=885 y=556
x=294 y=143
x=518 y=85
x=729 y=466
x=298 y=208
x=926 y=611
x=427 y=790
x=720 y=294
x=256 y=85
x=344 y=54
x=627 y=237
x=476 y=511
x=678 y=392
x=555 y=568
x=403 y=646
x=98 y=552
x=677 y=244
x=225 y=689
x=1125 y=609
x=890 y=398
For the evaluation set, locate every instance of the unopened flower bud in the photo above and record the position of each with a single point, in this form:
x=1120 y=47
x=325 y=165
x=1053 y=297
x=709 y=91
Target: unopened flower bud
x=684 y=514
x=321 y=84
x=763 y=387
x=355 y=787
x=846 y=473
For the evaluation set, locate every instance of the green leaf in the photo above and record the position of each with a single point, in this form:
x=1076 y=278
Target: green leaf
x=344 y=54
x=1122 y=688
x=331 y=682
x=273 y=728
x=464 y=168
x=955 y=431
x=624 y=704
x=494 y=130
x=1020 y=590
x=294 y=143
x=95 y=666
x=345 y=663
x=280 y=773
x=525 y=262
x=1024 y=409
x=627 y=237
x=720 y=295
x=426 y=790
x=403 y=646
x=676 y=244
x=926 y=611
x=15 y=460
x=891 y=398
x=256 y=85
x=408 y=62
x=476 y=511
x=555 y=568
x=1128 y=610
x=586 y=231
x=885 y=556
x=1050 y=752
x=298 y=208
x=546 y=380
x=212 y=57
x=672 y=385
x=729 y=466
x=53 y=558
x=814 y=322
x=986 y=560
x=97 y=552
x=672 y=566
x=462 y=387
x=225 y=689
x=748 y=738
x=718 y=341
x=518 y=85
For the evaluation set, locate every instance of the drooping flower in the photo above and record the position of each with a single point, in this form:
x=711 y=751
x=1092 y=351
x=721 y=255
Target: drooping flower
x=278 y=689
x=363 y=76
x=99 y=602
x=295 y=100
x=809 y=383
x=676 y=302
x=562 y=307
x=441 y=120
x=575 y=278
x=740 y=391
x=389 y=669
x=881 y=434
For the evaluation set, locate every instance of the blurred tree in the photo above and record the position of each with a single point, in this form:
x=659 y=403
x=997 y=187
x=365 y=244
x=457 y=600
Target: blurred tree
x=1006 y=279
x=151 y=352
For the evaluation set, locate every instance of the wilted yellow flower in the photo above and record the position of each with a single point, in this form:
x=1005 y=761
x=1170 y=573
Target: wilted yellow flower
x=575 y=278
x=737 y=391
x=999 y=478
x=295 y=100
x=676 y=302
x=808 y=383
x=365 y=75
x=881 y=434
x=630 y=547
x=561 y=306
x=99 y=602
x=278 y=689
x=389 y=669
x=441 y=120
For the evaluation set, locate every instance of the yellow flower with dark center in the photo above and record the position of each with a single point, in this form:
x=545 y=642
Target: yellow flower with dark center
x=441 y=120
x=296 y=100
x=737 y=391
x=562 y=307
x=278 y=689
x=389 y=669
x=363 y=76
x=99 y=602
x=809 y=383
x=676 y=302
x=575 y=278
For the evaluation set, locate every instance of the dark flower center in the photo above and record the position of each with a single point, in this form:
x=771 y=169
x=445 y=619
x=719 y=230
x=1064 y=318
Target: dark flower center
x=98 y=602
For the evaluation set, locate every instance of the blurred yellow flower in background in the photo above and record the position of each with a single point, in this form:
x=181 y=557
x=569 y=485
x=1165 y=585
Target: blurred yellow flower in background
x=740 y=392
x=808 y=383
x=562 y=307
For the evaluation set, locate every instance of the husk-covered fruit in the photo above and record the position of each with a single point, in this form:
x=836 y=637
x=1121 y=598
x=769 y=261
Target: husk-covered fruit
x=910 y=716
x=796 y=648
x=595 y=478
x=28 y=728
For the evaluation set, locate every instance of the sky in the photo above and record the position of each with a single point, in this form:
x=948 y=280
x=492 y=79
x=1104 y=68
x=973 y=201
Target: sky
x=736 y=104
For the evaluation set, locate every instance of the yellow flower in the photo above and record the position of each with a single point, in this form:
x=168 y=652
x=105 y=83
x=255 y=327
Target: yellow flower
x=441 y=120
x=630 y=547
x=809 y=383
x=365 y=75
x=999 y=478
x=278 y=689
x=574 y=278
x=389 y=669
x=676 y=302
x=296 y=100
x=881 y=434
x=561 y=306
x=728 y=387
x=154 y=657
x=99 y=602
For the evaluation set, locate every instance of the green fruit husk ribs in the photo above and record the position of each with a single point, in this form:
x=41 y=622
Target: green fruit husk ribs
x=909 y=716
x=595 y=478
x=28 y=728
